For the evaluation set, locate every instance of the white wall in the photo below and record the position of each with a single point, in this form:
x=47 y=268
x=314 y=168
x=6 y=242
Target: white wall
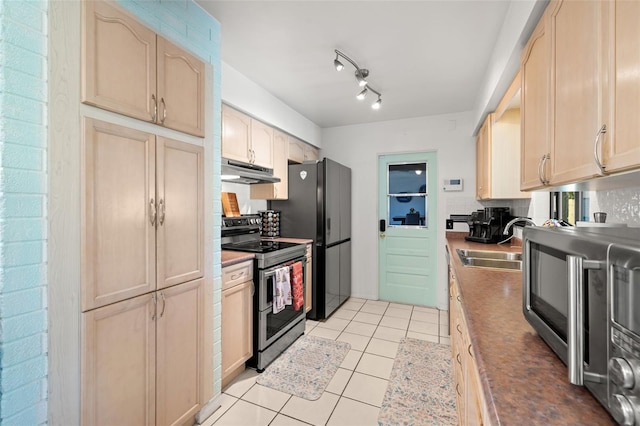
x=239 y=91
x=358 y=147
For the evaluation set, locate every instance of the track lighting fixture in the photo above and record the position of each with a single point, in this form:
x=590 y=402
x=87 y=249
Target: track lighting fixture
x=361 y=77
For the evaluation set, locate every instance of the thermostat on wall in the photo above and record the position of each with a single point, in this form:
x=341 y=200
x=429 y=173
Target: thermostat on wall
x=454 y=184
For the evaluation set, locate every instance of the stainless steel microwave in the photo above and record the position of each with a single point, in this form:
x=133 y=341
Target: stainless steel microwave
x=581 y=293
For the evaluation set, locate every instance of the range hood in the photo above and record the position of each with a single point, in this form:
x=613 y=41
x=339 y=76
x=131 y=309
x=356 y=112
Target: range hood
x=239 y=172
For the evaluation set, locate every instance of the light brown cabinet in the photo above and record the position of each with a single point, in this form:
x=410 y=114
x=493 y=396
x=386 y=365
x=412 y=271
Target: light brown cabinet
x=300 y=152
x=237 y=319
x=483 y=160
x=308 y=295
x=128 y=69
x=246 y=139
x=143 y=213
x=140 y=358
x=280 y=190
x=579 y=117
x=470 y=400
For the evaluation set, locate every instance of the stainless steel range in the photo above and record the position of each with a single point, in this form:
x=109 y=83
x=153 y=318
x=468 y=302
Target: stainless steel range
x=272 y=332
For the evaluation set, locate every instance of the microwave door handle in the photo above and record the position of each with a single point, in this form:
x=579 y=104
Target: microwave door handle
x=575 y=320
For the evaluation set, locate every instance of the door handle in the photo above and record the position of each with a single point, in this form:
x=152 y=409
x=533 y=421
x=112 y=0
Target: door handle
x=382 y=235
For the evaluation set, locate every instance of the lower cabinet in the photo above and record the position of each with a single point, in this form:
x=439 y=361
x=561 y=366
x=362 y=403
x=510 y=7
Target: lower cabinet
x=470 y=402
x=142 y=360
x=237 y=319
x=308 y=295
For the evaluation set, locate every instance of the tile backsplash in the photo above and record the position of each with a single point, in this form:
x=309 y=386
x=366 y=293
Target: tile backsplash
x=621 y=205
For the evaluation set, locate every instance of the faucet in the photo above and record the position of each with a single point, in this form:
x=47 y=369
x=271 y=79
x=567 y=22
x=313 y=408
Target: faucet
x=508 y=226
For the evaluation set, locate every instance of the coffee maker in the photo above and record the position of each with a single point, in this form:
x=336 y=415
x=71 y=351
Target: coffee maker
x=487 y=225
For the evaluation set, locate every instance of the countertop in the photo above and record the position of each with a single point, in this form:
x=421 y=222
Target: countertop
x=291 y=240
x=522 y=379
x=232 y=257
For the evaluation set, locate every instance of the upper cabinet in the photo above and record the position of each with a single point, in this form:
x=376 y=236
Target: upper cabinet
x=246 y=139
x=300 y=151
x=579 y=117
x=498 y=150
x=280 y=190
x=620 y=146
x=128 y=69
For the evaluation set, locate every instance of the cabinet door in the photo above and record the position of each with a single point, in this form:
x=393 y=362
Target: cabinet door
x=308 y=294
x=533 y=110
x=261 y=144
x=296 y=150
x=119 y=364
x=575 y=89
x=237 y=327
x=311 y=153
x=280 y=190
x=180 y=196
x=119 y=238
x=621 y=148
x=180 y=335
x=180 y=89
x=236 y=134
x=483 y=160
x=118 y=61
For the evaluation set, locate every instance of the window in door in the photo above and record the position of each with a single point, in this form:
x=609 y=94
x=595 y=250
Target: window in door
x=407 y=194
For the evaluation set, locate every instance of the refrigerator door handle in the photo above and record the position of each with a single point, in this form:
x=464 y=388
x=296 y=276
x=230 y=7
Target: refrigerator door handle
x=328 y=225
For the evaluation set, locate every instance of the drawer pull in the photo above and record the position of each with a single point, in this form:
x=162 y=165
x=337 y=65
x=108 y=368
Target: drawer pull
x=458 y=359
x=458 y=328
x=236 y=276
x=469 y=350
x=458 y=389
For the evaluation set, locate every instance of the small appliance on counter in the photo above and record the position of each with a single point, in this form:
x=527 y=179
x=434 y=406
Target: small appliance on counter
x=486 y=225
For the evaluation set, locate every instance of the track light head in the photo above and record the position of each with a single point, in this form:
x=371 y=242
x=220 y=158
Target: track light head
x=376 y=104
x=361 y=75
x=360 y=96
x=337 y=64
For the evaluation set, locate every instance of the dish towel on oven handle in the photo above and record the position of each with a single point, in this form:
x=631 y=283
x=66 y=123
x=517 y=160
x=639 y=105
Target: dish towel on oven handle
x=280 y=277
x=298 y=288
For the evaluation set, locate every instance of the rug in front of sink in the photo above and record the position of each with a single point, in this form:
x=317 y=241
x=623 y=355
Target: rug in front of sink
x=306 y=367
x=420 y=390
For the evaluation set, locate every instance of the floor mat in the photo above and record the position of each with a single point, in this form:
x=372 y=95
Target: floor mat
x=306 y=367
x=420 y=390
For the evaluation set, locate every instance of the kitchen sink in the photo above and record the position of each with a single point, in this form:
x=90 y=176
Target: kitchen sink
x=490 y=259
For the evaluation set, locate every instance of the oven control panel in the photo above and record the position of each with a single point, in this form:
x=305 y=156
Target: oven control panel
x=624 y=376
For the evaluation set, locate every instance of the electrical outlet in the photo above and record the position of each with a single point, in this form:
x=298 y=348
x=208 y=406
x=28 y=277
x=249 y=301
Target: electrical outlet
x=449 y=224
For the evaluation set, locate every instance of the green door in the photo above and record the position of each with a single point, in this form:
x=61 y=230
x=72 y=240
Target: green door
x=407 y=248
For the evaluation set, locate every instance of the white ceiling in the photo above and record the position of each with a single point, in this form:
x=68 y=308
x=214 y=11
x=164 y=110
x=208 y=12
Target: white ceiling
x=425 y=57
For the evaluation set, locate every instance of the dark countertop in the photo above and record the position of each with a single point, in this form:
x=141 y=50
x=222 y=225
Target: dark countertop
x=230 y=257
x=522 y=379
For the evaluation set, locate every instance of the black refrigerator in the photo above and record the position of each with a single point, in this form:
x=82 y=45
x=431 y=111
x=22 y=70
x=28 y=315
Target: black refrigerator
x=319 y=208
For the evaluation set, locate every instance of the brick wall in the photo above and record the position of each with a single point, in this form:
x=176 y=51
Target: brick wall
x=23 y=212
x=23 y=187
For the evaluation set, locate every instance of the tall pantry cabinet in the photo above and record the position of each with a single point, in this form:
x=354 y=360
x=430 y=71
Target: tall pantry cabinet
x=142 y=241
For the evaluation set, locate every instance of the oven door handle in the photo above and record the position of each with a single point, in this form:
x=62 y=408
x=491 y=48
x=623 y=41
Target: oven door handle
x=270 y=272
x=576 y=266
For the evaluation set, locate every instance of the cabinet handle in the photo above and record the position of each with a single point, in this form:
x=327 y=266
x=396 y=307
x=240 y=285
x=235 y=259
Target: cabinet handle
x=164 y=304
x=458 y=359
x=469 y=350
x=155 y=306
x=459 y=299
x=458 y=389
x=275 y=189
x=541 y=175
x=236 y=276
x=602 y=131
x=164 y=110
x=253 y=157
x=253 y=289
x=152 y=212
x=458 y=328
x=155 y=108
x=161 y=213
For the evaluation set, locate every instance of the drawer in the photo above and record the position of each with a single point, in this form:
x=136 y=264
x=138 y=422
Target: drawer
x=236 y=274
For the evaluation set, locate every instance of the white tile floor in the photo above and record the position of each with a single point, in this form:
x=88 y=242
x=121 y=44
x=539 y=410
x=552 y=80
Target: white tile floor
x=355 y=394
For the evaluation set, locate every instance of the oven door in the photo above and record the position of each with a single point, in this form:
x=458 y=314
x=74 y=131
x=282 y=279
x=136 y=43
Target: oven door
x=265 y=282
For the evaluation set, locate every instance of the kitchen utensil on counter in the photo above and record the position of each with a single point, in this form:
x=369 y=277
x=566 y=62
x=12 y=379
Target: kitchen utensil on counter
x=600 y=217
